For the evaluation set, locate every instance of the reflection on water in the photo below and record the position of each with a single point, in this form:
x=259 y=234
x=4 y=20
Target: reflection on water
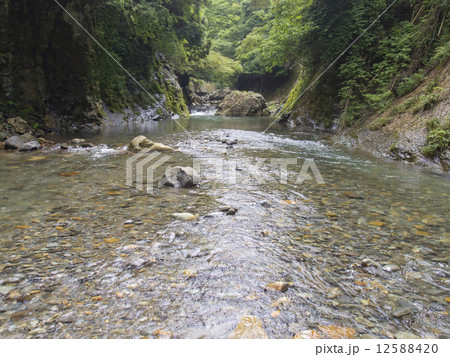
x=83 y=255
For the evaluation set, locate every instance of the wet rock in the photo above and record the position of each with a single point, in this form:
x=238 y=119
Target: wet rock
x=402 y=308
x=189 y=273
x=249 y=327
x=78 y=141
x=353 y=195
x=180 y=177
x=87 y=145
x=17 y=125
x=184 y=216
x=265 y=204
x=49 y=122
x=64 y=147
x=39 y=133
x=67 y=318
x=391 y=268
x=241 y=104
x=160 y=147
x=337 y=332
x=219 y=95
x=37 y=331
x=365 y=322
x=334 y=293
x=6 y=289
x=231 y=212
x=280 y=302
x=368 y=263
x=27 y=137
x=279 y=286
x=13 y=143
x=4 y=308
x=45 y=142
x=162 y=334
x=3 y=135
x=139 y=143
x=30 y=146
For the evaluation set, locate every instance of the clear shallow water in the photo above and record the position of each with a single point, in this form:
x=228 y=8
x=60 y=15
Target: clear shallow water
x=84 y=255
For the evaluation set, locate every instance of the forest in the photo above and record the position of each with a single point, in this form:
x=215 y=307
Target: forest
x=243 y=43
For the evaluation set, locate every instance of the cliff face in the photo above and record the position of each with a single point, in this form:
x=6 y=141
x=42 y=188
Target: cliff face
x=46 y=60
x=50 y=66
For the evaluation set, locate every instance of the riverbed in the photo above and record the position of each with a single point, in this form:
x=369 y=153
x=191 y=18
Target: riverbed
x=83 y=255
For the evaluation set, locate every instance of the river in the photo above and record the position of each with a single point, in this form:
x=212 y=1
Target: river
x=83 y=255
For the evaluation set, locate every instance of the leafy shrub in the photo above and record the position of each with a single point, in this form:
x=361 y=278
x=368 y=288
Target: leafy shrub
x=408 y=84
x=438 y=137
x=427 y=101
x=441 y=54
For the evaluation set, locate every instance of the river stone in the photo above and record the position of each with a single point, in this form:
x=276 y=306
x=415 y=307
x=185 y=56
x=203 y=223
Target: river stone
x=67 y=318
x=17 y=125
x=30 y=146
x=279 y=286
x=184 y=216
x=250 y=327
x=160 y=147
x=27 y=137
x=391 y=268
x=139 y=143
x=78 y=141
x=402 y=308
x=180 y=177
x=39 y=133
x=3 y=135
x=13 y=143
x=6 y=289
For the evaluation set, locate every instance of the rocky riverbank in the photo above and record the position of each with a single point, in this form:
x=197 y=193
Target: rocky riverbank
x=414 y=129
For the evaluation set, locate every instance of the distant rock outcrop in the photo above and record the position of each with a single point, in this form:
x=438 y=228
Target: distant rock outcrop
x=243 y=104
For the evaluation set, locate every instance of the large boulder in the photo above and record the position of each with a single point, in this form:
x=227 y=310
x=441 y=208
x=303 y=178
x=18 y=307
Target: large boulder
x=30 y=146
x=13 y=143
x=180 y=177
x=242 y=104
x=17 y=125
x=139 y=143
x=218 y=96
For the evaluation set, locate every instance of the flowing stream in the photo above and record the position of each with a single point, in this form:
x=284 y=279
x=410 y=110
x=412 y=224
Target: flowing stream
x=83 y=255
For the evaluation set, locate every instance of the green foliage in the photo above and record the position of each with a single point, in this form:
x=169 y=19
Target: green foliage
x=230 y=21
x=145 y=36
x=427 y=101
x=438 y=138
x=217 y=69
x=388 y=61
x=408 y=84
x=441 y=55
